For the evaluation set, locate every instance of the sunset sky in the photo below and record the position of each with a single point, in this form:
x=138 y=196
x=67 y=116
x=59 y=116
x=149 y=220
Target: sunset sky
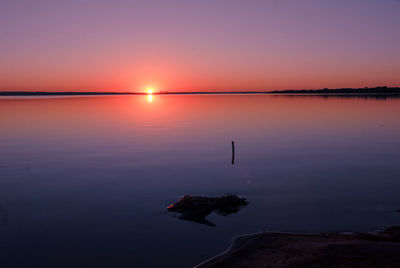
x=207 y=45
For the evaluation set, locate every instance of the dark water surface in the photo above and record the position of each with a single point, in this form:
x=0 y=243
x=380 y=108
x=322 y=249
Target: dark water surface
x=84 y=181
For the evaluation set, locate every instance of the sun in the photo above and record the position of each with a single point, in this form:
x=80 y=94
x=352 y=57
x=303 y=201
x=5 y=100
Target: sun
x=149 y=90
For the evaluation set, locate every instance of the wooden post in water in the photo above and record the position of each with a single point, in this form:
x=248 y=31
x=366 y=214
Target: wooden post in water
x=233 y=152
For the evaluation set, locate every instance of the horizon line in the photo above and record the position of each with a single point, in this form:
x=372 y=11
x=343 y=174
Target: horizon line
x=366 y=90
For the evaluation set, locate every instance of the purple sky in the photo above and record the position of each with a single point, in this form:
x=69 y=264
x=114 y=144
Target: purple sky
x=198 y=45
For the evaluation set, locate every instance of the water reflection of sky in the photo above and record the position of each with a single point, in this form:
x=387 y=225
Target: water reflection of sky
x=86 y=179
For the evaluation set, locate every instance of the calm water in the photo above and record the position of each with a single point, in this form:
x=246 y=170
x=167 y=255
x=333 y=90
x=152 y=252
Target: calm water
x=84 y=181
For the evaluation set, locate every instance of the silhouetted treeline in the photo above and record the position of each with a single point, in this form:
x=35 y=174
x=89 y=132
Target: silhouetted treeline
x=366 y=90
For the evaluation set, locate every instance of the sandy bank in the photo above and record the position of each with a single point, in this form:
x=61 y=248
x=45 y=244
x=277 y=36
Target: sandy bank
x=367 y=250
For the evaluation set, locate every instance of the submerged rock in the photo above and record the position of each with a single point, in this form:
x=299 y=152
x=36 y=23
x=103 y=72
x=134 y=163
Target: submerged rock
x=196 y=208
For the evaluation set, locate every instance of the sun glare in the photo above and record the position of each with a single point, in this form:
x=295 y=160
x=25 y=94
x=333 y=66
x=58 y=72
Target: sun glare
x=149 y=92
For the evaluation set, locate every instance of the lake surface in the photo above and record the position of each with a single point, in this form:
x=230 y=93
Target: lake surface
x=84 y=181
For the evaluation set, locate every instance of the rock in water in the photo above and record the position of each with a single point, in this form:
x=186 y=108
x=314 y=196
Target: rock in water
x=197 y=208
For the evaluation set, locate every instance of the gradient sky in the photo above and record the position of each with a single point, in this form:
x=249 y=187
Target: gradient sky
x=121 y=45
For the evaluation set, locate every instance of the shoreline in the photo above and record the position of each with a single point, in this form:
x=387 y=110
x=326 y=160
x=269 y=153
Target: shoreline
x=278 y=249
